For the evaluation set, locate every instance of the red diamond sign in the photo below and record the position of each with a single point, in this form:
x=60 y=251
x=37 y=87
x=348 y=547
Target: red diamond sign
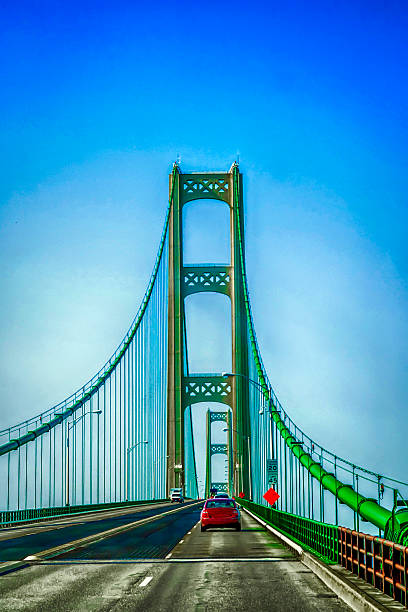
x=242 y=494
x=271 y=496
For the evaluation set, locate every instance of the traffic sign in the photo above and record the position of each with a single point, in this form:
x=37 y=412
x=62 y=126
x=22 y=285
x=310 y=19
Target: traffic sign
x=272 y=471
x=271 y=496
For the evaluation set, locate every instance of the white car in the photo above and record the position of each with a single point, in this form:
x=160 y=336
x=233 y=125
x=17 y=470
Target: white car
x=176 y=495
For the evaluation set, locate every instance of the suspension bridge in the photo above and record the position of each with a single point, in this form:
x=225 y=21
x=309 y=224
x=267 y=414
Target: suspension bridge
x=122 y=441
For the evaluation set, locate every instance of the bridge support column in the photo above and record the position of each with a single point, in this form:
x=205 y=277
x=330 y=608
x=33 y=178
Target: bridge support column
x=214 y=449
x=225 y=279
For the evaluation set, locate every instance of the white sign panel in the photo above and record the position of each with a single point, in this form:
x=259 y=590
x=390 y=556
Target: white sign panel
x=272 y=471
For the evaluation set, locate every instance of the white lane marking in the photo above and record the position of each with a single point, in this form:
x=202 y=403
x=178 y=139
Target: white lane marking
x=146 y=581
x=181 y=541
x=226 y=559
x=189 y=533
x=169 y=555
x=158 y=561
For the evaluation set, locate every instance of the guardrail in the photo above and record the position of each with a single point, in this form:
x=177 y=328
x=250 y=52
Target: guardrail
x=8 y=518
x=379 y=562
x=321 y=538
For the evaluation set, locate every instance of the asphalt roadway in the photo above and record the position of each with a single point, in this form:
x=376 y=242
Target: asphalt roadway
x=218 y=570
x=19 y=542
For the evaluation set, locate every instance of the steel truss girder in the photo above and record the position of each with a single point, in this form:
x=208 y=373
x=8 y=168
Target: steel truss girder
x=220 y=486
x=201 y=185
x=218 y=449
x=218 y=416
x=197 y=389
x=206 y=278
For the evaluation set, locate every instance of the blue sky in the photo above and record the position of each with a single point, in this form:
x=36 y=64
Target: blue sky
x=97 y=101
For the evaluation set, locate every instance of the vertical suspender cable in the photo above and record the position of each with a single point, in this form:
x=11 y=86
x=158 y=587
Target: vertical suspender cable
x=90 y=451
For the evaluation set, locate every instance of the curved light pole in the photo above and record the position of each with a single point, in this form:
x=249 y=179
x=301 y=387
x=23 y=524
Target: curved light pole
x=71 y=426
x=262 y=387
x=259 y=386
x=201 y=487
x=128 y=451
x=227 y=473
x=247 y=438
x=270 y=402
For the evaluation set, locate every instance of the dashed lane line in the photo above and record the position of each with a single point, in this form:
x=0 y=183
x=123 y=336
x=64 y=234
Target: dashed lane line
x=146 y=581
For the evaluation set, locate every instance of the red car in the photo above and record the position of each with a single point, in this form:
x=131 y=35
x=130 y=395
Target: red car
x=219 y=512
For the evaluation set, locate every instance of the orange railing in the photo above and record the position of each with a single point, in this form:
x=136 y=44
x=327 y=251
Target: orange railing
x=379 y=562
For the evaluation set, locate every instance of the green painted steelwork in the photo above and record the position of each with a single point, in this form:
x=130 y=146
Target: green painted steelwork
x=394 y=524
x=214 y=449
x=66 y=455
x=222 y=487
x=130 y=393
x=321 y=538
x=97 y=382
x=206 y=278
x=185 y=390
x=175 y=351
x=199 y=388
x=241 y=424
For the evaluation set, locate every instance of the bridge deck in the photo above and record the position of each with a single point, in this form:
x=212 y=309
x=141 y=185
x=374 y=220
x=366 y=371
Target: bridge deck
x=18 y=542
x=216 y=570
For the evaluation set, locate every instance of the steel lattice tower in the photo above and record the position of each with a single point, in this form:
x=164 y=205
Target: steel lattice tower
x=215 y=449
x=186 y=389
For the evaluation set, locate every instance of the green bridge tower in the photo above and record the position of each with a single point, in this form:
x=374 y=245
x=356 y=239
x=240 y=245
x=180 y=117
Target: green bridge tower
x=185 y=390
x=216 y=449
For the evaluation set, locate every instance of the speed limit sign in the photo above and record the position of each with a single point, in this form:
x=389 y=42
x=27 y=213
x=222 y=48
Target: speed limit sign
x=272 y=470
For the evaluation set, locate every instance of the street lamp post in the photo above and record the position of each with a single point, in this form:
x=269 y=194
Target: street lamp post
x=71 y=426
x=247 y=438
x=201 y=486
x=262 y=388
x=154 y=473
x=227 y=474
x=128 y=451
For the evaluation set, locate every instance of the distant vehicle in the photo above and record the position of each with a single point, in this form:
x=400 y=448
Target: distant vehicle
x=176 y=495
x=220 y=512
x=223 y=495
x=176 y=490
